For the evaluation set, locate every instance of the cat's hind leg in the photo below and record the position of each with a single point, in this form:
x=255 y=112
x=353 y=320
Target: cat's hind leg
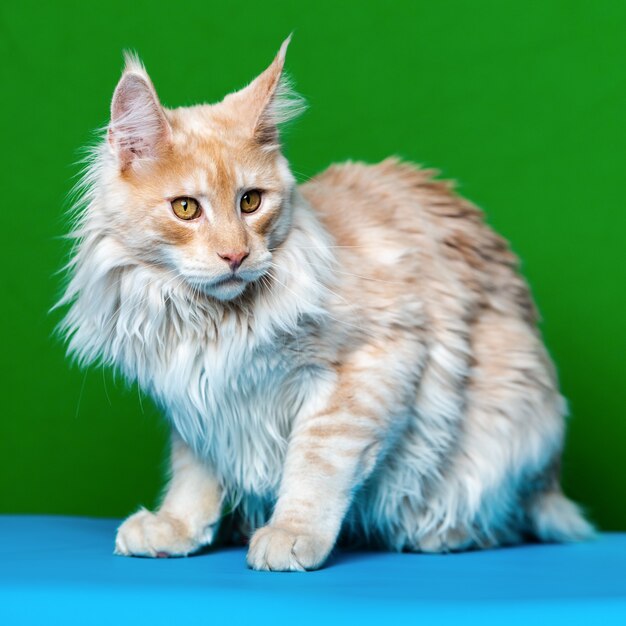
x=495 y=489
x=187 y=518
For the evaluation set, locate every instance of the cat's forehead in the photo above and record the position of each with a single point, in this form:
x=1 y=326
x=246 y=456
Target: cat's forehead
x=210 y=152
x=205 y=122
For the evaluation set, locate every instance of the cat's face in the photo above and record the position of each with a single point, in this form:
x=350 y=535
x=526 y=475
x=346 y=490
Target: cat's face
x=202 y=191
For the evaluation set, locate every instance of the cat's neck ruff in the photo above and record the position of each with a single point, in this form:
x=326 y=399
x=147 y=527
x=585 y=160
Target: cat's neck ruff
x=217 y=368
x=130 y=316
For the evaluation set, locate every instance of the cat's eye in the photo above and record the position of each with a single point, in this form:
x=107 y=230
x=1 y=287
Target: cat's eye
x=250 y=201
x=186 y=208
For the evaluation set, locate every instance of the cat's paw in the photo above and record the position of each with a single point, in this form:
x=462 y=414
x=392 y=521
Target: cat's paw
x=280 y=550
x=155 y=535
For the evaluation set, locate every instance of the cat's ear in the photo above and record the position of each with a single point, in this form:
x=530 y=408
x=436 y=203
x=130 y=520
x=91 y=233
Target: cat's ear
x=268 y=101
x=138 y=130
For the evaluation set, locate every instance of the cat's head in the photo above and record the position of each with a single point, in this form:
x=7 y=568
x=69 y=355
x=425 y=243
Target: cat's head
x=202 y=191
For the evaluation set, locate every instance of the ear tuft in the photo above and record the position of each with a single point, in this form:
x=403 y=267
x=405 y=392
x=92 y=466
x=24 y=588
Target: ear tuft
x=132 y=63
x=285 y=104
x=281 y=103
x=138 y=130
x=268 y=101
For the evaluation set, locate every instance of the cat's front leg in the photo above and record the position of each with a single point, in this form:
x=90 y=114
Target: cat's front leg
x=187 y=518
x=330 y=454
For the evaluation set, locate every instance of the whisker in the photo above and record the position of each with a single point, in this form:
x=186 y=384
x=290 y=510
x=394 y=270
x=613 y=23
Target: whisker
x=378 y=280
x=140 y=400
x=104 y=381
x=363 y=330
x=325 y=247
x=334 y=293
x=80 y=395
x=302 y=177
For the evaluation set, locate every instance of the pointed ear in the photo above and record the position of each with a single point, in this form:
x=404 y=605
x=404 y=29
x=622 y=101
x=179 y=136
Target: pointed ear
x=138 y=129
x=268 y=101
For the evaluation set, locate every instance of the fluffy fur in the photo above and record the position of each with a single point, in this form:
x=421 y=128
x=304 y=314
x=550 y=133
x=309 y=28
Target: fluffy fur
x=373 y=368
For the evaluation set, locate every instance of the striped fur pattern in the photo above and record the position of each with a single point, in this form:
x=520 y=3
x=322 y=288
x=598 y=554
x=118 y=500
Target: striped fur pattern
x=371 y=370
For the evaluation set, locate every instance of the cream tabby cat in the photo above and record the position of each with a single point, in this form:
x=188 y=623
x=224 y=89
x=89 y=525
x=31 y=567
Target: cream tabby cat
x=357 y=355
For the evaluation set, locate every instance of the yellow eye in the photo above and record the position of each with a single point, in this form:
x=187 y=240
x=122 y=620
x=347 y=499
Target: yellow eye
x=250 y=201
x=186 y=208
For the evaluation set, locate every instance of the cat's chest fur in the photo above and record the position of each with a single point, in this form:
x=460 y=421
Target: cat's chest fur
x=235 y=405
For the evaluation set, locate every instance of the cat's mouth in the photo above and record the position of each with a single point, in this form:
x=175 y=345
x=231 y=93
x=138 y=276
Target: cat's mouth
x=228 y=280
x=225 y=288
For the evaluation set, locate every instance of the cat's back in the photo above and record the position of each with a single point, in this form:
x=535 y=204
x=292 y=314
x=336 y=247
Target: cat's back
x=394 y=222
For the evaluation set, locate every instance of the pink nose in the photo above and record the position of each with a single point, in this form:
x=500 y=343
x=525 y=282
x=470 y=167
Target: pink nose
x=234 y=259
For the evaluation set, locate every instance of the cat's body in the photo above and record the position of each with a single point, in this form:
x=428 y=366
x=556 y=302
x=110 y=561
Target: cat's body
x=379 y=370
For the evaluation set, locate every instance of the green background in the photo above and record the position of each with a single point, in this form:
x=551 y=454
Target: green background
x=523 y=103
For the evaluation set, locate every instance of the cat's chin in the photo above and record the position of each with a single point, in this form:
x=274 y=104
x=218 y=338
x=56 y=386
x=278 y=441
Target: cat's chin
x=224 y=290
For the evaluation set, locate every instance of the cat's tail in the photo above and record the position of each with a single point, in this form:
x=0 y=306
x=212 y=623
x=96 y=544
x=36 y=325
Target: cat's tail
x=554 y=517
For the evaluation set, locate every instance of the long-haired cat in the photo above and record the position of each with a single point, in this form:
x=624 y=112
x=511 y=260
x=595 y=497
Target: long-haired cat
x=354 y=356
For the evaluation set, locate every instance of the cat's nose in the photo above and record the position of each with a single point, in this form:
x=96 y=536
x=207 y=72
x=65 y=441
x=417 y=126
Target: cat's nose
x=234 y=259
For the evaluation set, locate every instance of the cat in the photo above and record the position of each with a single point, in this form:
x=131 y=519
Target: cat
x=356 y=357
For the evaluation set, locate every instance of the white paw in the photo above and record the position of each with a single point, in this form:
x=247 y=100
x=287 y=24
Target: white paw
x=280 y=550
x=155 y=535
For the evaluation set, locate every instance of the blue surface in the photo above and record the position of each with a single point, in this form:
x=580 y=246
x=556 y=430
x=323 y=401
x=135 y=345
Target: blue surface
x=60 y=570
